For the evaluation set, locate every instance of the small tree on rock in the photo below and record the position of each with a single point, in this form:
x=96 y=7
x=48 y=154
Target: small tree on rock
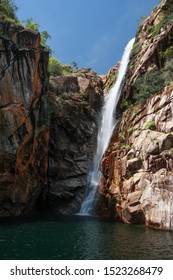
x=54 y=66
x=74 y=64
x=32 y=24
x=8 y=10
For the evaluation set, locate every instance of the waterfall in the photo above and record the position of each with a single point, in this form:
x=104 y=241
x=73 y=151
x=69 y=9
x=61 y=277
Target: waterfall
x=107 y=125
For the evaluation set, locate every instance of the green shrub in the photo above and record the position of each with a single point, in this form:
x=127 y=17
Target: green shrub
x=130 y=129
x=126 y=146
x=31 y=24
x=66 y=69
x=10 y=20
x=135 y=50
x=44 y=37
x=125 y=104
x=149 y=83
x=150 y=28
x=54 y=67
x=8 y=10
x=166 y=20
x=156 y=29
x=168 y=72
x=113 y=77
x=131 y=65
x=151 y=125
x=57 y=69
x=168 y=53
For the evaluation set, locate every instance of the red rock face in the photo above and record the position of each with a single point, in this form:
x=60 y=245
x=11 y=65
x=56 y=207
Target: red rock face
x=46 y=134
x=110 y=78
x=23 y=144
x=138 y=169
x=137 y=181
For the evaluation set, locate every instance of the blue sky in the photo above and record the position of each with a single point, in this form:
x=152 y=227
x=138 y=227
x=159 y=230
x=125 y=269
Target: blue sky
x=91 y=32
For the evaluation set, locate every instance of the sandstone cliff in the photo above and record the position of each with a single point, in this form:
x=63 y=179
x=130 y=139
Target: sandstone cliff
x=137 y=169
x=23 y=142
x=76 y=100
x=47 y=129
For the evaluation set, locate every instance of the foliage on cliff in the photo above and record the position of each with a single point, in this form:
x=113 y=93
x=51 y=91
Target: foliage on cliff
x=55 y=68
x=34 y=25
x=8 y=10
x=150 y=67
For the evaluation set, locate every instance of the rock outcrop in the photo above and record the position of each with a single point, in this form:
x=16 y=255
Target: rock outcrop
x=76 y=100
x=137 y=181
x=138 y=167
x=23 y=142
x=110 y=78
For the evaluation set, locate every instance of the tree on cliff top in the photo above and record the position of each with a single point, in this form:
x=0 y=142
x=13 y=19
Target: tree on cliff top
x=54 y=66
x=8 y=10
x=32 y=24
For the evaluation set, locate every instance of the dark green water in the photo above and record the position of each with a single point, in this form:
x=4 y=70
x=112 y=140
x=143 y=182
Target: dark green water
x=82 y=238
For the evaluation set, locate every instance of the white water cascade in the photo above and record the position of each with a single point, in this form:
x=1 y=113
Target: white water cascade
x=107 y=125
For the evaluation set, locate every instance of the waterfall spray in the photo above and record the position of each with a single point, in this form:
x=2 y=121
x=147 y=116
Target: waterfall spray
x=107 y=125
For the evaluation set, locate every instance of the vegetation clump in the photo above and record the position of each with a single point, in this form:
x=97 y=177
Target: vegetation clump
x=168 y=72
x=55 y=68
x=153 y=81
x=166 y=20
x=167 y=54
x=151 y=125
x=8 y=11
x=31 y=24
x=135 y=50
x=149 y=83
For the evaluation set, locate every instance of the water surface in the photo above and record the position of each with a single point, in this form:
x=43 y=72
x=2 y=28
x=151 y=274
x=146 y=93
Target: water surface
x=82 y=238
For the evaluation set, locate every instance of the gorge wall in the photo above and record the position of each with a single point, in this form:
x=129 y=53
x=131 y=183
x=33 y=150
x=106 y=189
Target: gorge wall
x=76 y=99
x=23 y=143
x=137 y=181
x=46 y=129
